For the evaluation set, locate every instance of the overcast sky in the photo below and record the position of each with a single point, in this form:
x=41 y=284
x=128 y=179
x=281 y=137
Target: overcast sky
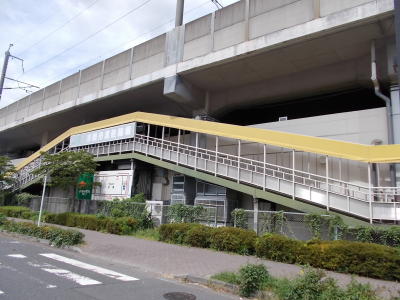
x=57 y=38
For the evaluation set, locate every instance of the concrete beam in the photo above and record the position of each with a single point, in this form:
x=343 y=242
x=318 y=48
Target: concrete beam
x=183 y=92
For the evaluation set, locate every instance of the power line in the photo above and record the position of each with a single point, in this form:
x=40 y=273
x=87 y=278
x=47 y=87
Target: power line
x=88 y=37
x=126 y=42
x=58 y=28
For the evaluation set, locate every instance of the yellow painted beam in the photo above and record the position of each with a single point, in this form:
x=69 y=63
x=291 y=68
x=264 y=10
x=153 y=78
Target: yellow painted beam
x=346 y=150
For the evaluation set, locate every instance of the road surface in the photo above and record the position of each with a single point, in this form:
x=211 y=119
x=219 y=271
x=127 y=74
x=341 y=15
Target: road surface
x=30 y=270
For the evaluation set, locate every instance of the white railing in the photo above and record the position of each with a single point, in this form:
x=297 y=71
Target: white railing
x=362 y=201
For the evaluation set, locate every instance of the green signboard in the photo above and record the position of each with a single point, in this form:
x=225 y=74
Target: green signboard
x=84 y=186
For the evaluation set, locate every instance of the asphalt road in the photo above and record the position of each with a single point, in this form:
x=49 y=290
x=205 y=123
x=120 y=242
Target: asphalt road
x=29 y=270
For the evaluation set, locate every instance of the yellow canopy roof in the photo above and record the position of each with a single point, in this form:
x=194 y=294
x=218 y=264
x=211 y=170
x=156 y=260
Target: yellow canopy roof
x=351 y=151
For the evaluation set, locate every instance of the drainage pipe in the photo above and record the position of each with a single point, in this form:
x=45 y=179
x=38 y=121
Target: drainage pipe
x=388 y=104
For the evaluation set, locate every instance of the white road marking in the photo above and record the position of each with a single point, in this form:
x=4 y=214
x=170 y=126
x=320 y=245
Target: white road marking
x=89 y=267
x=1 y=292
x=15 y=242
x=16 y=255
x=79 y=279
x=50 y=286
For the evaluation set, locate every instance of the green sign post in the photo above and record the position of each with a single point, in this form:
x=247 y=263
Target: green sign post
x=85 y=186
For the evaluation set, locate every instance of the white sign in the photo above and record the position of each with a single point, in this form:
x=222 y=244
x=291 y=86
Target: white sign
x=113 y=184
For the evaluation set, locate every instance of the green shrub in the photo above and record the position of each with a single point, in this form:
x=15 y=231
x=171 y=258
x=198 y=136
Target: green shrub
x=384 y=236
x=252 y=278
x=122 y=225
x=309 y=286
x=2 y=219
x=180 y=213
x=359 y=291
x=134 y=207
x=364 y=259
x=232 y=239
x=280 y=248
x=56 y=236
x=199 y=236
x=176 y=232
x=239 y=217
x=313 y=285
x=15 y=211
x=24 y=198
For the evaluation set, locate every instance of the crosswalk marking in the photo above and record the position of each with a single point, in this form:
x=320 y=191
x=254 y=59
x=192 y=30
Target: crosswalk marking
x=50 y=286
x=79 y=279
x=99 y=270
x=16 y=255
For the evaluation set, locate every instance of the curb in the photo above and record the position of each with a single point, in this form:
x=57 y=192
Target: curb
x=212 y=283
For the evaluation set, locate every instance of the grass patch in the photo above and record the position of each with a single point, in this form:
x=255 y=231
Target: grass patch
x=229 y=277
x=147 y=234
x=311 y=284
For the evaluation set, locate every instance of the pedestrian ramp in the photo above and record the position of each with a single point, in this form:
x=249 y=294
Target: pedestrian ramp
x=350 y=179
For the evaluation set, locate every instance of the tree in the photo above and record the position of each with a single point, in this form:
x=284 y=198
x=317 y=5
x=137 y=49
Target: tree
x=65 y=168
x=6 y=171
x=6 y=178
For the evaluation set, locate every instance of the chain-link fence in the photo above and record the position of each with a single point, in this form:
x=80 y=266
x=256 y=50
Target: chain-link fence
x=291 y=224
x=295 y=225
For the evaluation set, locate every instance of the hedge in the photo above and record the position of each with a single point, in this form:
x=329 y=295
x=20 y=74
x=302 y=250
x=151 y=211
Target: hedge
x=365 y=259
x=230 y=239
x=233 y=239
x=176 y=232
x=56 y=236
x=17 y=212
x=122 y=225
x=280 y=248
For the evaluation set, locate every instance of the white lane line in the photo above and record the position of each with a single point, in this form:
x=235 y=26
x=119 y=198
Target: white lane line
x=50 y=286
x=99 y=270
x=79 y=279
x=1 y=292
x=15 y=242
x=16 y=255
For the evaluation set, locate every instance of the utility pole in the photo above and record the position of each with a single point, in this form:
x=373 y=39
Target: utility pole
x=4 y=70
x=3 y=77
x=180 y=4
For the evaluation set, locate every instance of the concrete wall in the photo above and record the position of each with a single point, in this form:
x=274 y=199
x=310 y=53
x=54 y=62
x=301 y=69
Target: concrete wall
x=149 y=56
x=245 y=20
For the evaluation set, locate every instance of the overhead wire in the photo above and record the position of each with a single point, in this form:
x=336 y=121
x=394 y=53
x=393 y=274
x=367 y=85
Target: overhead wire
x=88 y=37
x=58 y=28
x=131 y=41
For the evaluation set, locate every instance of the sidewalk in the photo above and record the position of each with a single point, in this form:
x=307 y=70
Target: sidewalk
x=174 y=260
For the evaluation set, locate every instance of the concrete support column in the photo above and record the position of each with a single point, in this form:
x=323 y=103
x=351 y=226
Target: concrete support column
x=44 y=139
x=317 y=8
x=255 y=209
x=395 y=99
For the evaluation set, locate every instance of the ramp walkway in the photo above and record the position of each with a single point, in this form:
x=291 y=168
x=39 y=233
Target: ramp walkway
x=306 y=172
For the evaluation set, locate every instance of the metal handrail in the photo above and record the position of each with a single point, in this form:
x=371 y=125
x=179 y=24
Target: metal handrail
x=310 y=180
